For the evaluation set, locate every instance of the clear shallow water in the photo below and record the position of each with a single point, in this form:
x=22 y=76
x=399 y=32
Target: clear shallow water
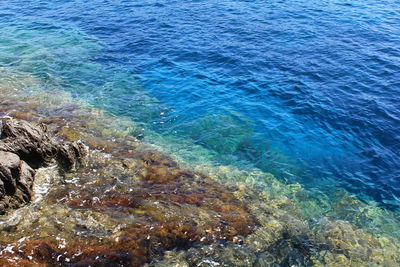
x=307 y=90
x=296 y=226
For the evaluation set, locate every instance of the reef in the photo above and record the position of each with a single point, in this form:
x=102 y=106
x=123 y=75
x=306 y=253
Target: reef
x=172 y=208
x=25 y=147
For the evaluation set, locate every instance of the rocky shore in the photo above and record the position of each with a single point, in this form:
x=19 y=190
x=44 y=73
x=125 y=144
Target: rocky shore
x=78 y=189
x=175 y=207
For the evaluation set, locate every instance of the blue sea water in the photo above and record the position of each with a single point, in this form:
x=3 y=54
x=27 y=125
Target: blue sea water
x=307 y=90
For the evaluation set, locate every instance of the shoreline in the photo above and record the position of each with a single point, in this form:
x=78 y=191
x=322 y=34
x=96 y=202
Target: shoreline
x=117 y=162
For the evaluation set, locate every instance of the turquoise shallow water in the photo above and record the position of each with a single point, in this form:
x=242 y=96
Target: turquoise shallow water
x=306 y=90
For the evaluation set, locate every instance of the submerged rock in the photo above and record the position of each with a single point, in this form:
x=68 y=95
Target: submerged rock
x=23 y=148
x=131 y=205
x=156 y=206
x=169 y=208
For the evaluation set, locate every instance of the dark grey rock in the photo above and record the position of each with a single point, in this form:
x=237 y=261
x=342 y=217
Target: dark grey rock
x=16 y=181
x=23 y=148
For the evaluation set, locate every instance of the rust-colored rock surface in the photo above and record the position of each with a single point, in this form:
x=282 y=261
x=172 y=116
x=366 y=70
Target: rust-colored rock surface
x=175 y=209
x=171 y=207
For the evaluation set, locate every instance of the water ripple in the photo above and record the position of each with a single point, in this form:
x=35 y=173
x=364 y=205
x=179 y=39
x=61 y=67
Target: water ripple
x=316 y=80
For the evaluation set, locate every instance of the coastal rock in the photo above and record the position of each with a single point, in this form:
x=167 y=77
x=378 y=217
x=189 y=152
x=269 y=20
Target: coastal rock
x=131 y=204
x=159 y=207
x=33 y=145
x=16 y=180
x=23 y=148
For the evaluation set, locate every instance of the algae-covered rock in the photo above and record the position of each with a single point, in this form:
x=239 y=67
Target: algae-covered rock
x=132 y=204
x=349 y=246
x=157 y=206
x=220 y=132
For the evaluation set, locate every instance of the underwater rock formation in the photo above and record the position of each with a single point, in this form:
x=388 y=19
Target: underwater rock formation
x=23 y=148
x=131 y=205
x=159 y=205
x=172 y=208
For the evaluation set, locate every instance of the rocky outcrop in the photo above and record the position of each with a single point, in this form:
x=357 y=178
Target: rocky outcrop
x=25 y=147
x=16 y=178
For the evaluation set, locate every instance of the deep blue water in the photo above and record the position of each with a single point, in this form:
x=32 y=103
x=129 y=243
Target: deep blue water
x=308 y=90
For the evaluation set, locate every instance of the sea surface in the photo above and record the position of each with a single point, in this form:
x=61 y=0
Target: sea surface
x=306 y=90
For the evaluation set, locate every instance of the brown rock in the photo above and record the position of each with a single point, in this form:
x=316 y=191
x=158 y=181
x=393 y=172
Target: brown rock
x=33 y=145
x=24 y=147
x=16 y=180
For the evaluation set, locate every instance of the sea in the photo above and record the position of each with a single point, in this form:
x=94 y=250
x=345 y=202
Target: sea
x=306 y=90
